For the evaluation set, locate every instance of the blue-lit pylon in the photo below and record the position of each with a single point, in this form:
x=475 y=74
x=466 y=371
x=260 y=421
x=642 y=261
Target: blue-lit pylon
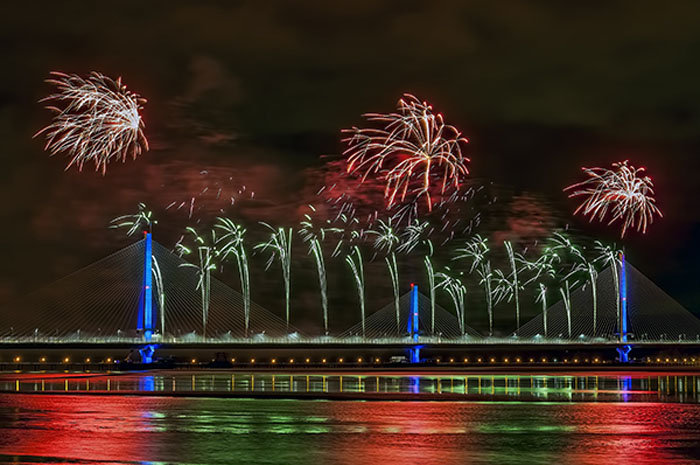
x=623 y=351
x=146 y=316
x=413 y=326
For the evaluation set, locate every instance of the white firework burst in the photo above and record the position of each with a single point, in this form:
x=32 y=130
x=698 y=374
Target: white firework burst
x=96 y=120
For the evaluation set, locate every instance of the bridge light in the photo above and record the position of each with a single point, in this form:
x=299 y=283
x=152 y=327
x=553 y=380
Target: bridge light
x=575 y=360
x=291 y=360
x=505 y=360
x=87 y=360
x=466 y=360
x=478 y=359
x=667 y=360
x=18 y=359
x=307 y=360
x=675 y=360
x=544 y=359
x=532 y=359
x=252 y=360
x=323 y=361
x=596 y=360
x=452 y=360
x=492 y=359
x=109 y=359
x=566 y=360
x=359 y=360
x=194 y=360
x=340 y=360
x=42 y=359
x=518 y=360
x=376 y=360
x=274 y=360
x=233 y=360
x=66 y=360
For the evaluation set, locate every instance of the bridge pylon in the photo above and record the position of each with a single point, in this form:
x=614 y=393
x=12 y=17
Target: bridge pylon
x=625 y=349
x=413 y=325
x=146 y=316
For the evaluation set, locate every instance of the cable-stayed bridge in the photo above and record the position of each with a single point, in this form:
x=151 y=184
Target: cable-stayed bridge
x=144 y=294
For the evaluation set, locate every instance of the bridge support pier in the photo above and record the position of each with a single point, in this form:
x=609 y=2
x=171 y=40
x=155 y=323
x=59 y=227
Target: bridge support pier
x=624 y=353
x=147 y=353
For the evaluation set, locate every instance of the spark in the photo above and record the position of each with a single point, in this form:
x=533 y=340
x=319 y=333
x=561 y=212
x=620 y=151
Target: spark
x=96 y=119
x=142 y=220
x=413 y=152
x=623 y=191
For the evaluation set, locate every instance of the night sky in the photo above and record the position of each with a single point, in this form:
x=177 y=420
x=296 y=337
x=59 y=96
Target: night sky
x=255 y=94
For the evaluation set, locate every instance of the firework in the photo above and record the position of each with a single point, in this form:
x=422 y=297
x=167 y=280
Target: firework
x=142 y=220
x=430 y=271
x=316 y=250
x=477 y=250
x=457 y=292
x=609 y=256
x=413 y=152
x=623 y=192
x=387 y=241
x=581 y=266
x=354 y=261
x=515 y=259
x=206 y=253
x=96 y=119
x=280 y=246
x=231 y=243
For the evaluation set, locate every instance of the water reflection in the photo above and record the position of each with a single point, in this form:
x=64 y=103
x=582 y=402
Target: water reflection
x=574 y=387
x=136 y=429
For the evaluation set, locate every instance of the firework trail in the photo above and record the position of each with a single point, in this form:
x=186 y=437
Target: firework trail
x=517 y=265
x=544 y=273
x=206 y=253
x=316 y=250
x=623 y=191
x=581 y=265
x=96 y=119
x=387 y=241
x=457 y=292
x=231 y=243
x=477 y=250
x=430 y=271
x=354 y=261
x=610 y=256
x=160 y=292
x=280 y=246
x=413 y=151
